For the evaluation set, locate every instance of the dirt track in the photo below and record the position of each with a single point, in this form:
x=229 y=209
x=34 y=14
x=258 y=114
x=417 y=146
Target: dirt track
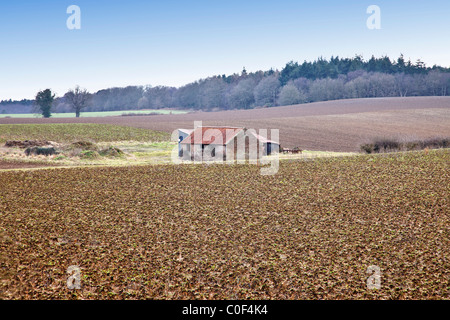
x=329 y=126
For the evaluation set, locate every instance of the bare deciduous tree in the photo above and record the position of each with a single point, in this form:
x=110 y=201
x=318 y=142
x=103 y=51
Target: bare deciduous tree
x=211 y=93
x=241 y=95
x=289 y=94
x=77 y=99
x=438 y=83
x=403 y=84
x=327 y=89
x=266 y=91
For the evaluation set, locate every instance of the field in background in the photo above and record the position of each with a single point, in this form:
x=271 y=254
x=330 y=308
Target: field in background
x=226 y=232
x=75 y=132
x=94 y=114
x=341 y=125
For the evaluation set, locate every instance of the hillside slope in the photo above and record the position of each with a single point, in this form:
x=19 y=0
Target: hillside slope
x=340 y=125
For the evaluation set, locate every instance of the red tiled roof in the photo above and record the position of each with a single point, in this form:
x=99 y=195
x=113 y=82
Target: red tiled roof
x=212 y=135
x=261 y=138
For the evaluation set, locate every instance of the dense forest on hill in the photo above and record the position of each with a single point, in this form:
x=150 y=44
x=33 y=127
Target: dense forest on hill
x=320 y=80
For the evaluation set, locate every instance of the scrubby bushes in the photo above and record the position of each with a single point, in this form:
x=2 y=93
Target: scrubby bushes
x=89 y=150
x=26 y=143
x=89 y=154
x=83 y=145
x=79 y=149
x=111 y=152
x=367 y=147
x=46 y=151
x=436 y=143
x=392 y=145
x=82 y=149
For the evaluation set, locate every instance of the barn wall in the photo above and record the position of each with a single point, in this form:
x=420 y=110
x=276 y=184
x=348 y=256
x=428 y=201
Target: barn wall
x=275 y=148
x=241 y=149
x=181 y=136
x=186 y=151
x=219 y=152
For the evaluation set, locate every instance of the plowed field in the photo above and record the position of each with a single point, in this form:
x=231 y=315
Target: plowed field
x=226 y=232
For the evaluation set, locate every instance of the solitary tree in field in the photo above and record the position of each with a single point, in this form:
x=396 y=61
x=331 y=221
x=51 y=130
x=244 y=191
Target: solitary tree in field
x=77 y=99
x=44 y=100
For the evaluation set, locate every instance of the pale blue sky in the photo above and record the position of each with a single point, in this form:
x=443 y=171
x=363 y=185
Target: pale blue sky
x=176 y=42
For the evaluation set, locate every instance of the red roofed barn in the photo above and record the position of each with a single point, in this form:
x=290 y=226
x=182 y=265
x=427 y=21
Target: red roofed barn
x=222 y=143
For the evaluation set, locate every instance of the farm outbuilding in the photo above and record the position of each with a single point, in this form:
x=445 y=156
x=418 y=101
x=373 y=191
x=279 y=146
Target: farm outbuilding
x=225 y=143
x=269 y=146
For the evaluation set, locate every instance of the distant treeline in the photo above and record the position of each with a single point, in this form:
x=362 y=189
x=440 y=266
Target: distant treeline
x=320 y=80
x=16 y=106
